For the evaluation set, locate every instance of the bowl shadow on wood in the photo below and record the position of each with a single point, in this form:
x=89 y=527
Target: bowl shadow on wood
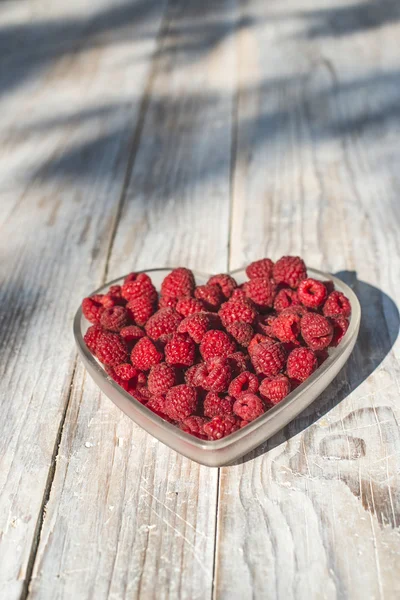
x=378 y=332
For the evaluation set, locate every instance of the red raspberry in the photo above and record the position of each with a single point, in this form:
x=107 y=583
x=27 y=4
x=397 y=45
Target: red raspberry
x=189 y=306
x=210 y=295
x=121 y=382
x=161 y=378
x=92 y=308
x=217 y=405
x=289 y=270
x=139 y=285
x=140 y=309
x=164 y=322
x=216 y=344
x=221 y=426
x=132 y=333
x=301 y=363
x=113 y=297
x=180 y=350
x=191 y=375
x=259 y=338
x=316 y=330
x=295 y=309
x=268 y=358
x=91 y=337
x=145 y=354
x=130 y=277
x=241 y=332
x=126 y=371
x=340 y=326
x=248 y=407
x=198 y=324
x=181 y=402
x=179 y=283
x=239 y=363
x=337 y=305
x=287 y=328
x=311 y=293
x=243 y=383
x=264 y=322
x=242 y=310
x=225 y=282
x=194 y=426
x=285 y=298
x=260 y=268
x=115 y=318
x=243 y=423
x=274 y=389
x=214 y=377
x=111 y=349
x=165 y=302
x=261 y=291
x=157 y=405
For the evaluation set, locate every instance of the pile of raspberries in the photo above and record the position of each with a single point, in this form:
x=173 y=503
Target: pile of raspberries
x=212 y=358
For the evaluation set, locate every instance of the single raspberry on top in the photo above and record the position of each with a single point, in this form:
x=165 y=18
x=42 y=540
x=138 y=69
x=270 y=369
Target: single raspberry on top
x=140 y=309
x=92 y=308
x=216 y=376
x=138 y=285
x=248 y=407
x=198 y=324
x=286 y=328
x=316 y=330
x=301 y=363
x=242 y=384
x=145 y=354
x=289 y=270
x=274 y=389
x=268 y=359
x=311 y=293
x=111 y=349
x=285 y=297
x=181 y=402
x=259 y=338
x=195 y=426
x=241 y=332
x=132 y=333
x=91 y=336
x=260 y=268
x=337 y=305
x=210 y=295
x=161 y=378
x=178 y=284
x=180 y=350
x=242 y=310
x=189 y=306
x=216 y=344
x=126 y=371
x=261 y=291
x=217 y=404
x=115 y=318
x=225 y=282
x=164 y=322
x=221 y=426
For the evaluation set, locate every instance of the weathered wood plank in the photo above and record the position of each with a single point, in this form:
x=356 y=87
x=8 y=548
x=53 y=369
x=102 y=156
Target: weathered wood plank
x=71 y=86
x=127 y=517
x=315 y=513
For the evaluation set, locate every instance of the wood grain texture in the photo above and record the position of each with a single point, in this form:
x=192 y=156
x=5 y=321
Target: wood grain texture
x=127 y=517
x=68 y=121
x=316 y=512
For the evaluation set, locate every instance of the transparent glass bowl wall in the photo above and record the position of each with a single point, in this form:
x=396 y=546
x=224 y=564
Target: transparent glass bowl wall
x=221 y=452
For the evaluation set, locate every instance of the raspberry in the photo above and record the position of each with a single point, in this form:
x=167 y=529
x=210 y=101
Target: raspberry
x=301 y=363
x=274 y=389
x=210 y=295
x=243 y=383
x=216 y=344
x=261 y=291
x=264 y=322
x=340 y=326
x=179 y=283
x=140 y=309
x=191 y=375
x=130 y=277
x=164 y=322
x=189 y=306
x=91 y=337
x=289 y=270
x=285 y=298
x=113 y=297
x=268 y=358
x=194 y=426
x=259 y=338
x=241 y=332
x=243 y=423
x=337 y=305
x=316 y=330
x=214 y=377
x=287 y=328
x=126 y=371
x=248 y=407
x=157 y=405
x=311 y=293
x=111 y=349
x=260 y=268
x=161 y=378
x=165 y=302
x=181 y=402
x=217 y=405
x=115 y=318
x=198 y=324
x=239 y=363
x=132 y=333
x=139 y=285
x=221 y=426
x=92 y=309
x=242 y=310
x=121 y=382
x=141 y=394
x=180 y=350
x=145 y=354
x=225 y=282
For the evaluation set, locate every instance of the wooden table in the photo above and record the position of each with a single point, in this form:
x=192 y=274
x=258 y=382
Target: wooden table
x=206 y=134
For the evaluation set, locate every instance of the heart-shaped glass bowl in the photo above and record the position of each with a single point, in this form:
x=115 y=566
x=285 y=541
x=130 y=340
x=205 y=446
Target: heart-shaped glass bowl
x=226 y=450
